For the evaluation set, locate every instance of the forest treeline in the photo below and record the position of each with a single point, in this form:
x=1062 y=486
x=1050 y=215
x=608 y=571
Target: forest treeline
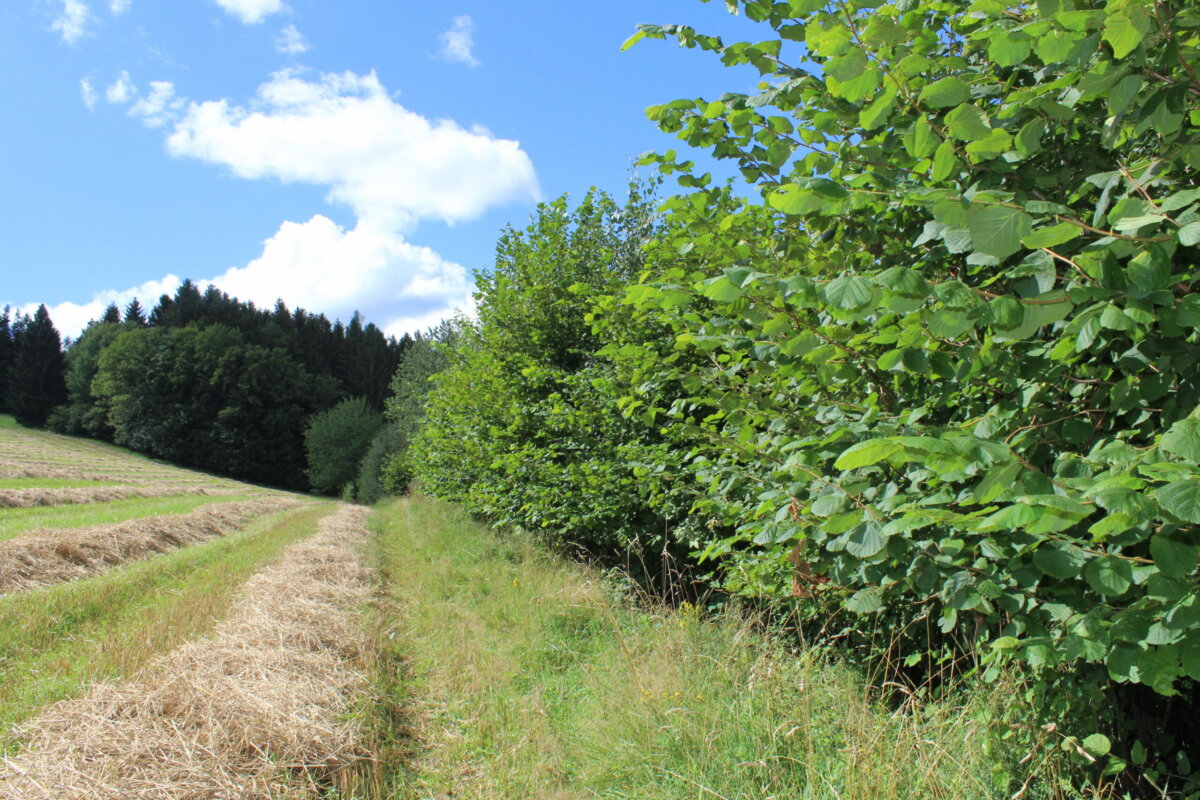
x=200 y=379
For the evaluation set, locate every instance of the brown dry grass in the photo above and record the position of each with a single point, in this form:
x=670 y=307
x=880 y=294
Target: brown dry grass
x=258 y=710
x=46 y=555
x=26 y=498
x=117 y=475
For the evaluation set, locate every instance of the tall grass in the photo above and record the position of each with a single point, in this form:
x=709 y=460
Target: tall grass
x=54 y=641
x=511 y=674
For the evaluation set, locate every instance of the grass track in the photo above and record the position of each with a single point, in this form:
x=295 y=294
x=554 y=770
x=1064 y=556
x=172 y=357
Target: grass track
x=14 y=521
x=520 y=676
x=55 y=641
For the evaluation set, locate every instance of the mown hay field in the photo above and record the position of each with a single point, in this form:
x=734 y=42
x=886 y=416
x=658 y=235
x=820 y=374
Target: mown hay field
x=167 y=633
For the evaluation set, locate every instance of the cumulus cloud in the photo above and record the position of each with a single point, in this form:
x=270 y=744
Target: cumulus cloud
x=391 y=166
x=291 y=42
x=121 y=90
x=72 y=21
x=88 y=92
x=252 y=11
x=321 y=266
x=459 y=41
x=71 y=318
x=118 y=6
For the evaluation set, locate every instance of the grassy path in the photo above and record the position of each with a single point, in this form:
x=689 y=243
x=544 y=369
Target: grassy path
x=55 y=641
x=515 y=675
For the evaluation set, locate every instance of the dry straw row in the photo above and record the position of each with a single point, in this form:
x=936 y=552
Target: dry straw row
x=129 y=477
x=48 y=555
x=260 y=709
x=27 y=498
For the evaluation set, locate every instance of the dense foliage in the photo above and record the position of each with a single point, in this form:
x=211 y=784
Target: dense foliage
x=386 y=468
x=942 y=372
x=336 y=441
x=523 y=424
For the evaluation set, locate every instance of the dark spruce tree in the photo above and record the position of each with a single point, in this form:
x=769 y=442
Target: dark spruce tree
x=35 y=379
x=7 y=353
x=111 y=314
x=134 y=315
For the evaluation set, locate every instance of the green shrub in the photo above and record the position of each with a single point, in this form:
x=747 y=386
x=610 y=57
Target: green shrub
x=389 y=443
x=336 y=441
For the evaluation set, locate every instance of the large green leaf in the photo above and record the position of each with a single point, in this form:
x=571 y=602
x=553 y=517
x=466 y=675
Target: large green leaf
x=720 y=289
x=866 y=453
x=945 y=93
x=997 y=230
x=1111 y=576
x=1181 y=499
x=1183 y=440
x=1052 y=236
x=851 y=293
x=864 y=601
x=1174 y=554
x=1124 y=31
x=866 y=540
x=968 y=123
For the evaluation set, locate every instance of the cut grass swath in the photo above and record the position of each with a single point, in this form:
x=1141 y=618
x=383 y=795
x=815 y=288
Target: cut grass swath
x=256 y=707
x=45 y=556
x=55 y=641
x=27 y=498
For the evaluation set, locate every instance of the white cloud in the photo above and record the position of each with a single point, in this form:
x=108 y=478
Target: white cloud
x=458 y=42
x=291 y=42
x=320 y=266
x=118 y=6
x=252 y=11
x=390 y=165
x=88 y=92
x=159 y=107
x=72 y=21
x=121 y=90
x=71 y=318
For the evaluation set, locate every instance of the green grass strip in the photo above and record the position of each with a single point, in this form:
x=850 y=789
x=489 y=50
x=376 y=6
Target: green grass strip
x=527 y=677
x=14 y=521
x=51 y=483
x=55 y=641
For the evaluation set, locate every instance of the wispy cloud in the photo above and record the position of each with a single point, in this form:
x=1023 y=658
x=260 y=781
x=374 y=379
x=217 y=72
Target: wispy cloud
x=121 y=90
x=72 y=21
x=291 y=41
x=88 y=92
x=118 y=6
x=459 y=41
x=159 y=107
x=252 y=11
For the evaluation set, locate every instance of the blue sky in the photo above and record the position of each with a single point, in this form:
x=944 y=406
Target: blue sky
x=340 y=154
